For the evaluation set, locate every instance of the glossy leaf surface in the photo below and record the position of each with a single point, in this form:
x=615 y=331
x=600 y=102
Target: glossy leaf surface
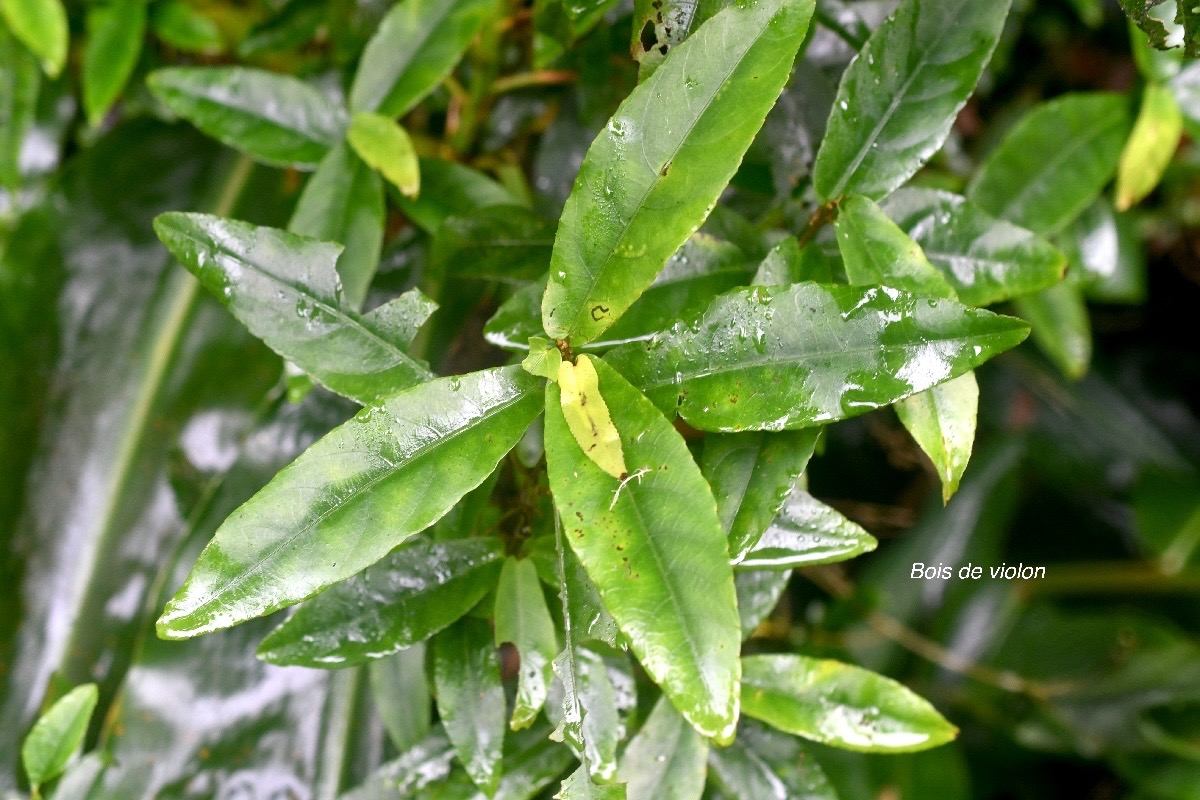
x=806 y=532
x=666 y=759
x=415 y=48
x=1152 y=143
x=523 y=620
x=652 y=175
x=765 y=765
x=875 y=251
x=400 y=601
x=1061 y=327
x=285 y=288
x=276 y=119
x=387 y=148
x=663 y=574
x=985 y=259
x=353 y=496
x=829 y=351
x=58 y=734
x=942 y=421
x=839 y=704
x=899 y=97
x=470 y=698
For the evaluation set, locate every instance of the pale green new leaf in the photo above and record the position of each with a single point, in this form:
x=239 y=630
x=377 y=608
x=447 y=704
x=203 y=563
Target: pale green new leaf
x=666 y=760
x=404 y=599
x=655 y=171
x=653 y=545
x=900 y=95
x=385 y=146
x=276 y=119
x=415 y=47
x=828 y=352
x=1152 y=143
x=58 y=734
x=390 y=472
x=840 y=705
x=285 y=289
x=942 y=421
x=40 y=25
x=523 y=620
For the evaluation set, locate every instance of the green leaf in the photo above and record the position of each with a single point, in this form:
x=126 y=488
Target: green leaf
x=689 y=126
x=805 y=533
x=942 y=421
x=402 y=696
x=382 y=143
x=20 y=81
x=579 y=786
x=840 y=705
x=506 y=243
x=876 y=251
x=285 y=289
x=829 y=352
x=470 y=698
x=40 y=25
x=758 y=592
x=660 y=25
x=115 y=34
x=58 y=734
x=181 y=25
x=783 y=264
x=343 y=202
x=415 y=47
x=276 y=119
x=653 y=540
x=751 y=475
x=353 y=496
x=899 y=97
x=523 y=619
x=1085 y=132
x=666 y=760
x=986 y=260
x=413 y=593
x=765 y=765
x=1061 y=328
x=1151 y=145
x=451 y=189
x=424 y=764
x=544 y=358
x=1139 y=12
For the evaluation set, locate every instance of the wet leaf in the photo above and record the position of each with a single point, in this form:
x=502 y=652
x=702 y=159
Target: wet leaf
x=805 y=533
x=425 y=764
x=40 y=25
x=688 y=126
x=499 y=242
x=1152 y=142
x=58 y=734
x=751 y=475
x=645 y=554
x=385 y=146
x=523 y=619
x=899 y=97
x=942 y=421
x=353 y=496
x=579 y=786
x=765 y=765
x=415 y=47
x=343 y=202
x=285 y=289
x=114 y=43
x=1084 y=131
x=830 y=352
x=986 y=260
x=666 y=760
x=413 y=593
x=1061 y=327
x=758 y=592
x=876 y=251
x=840 y=705
x=587 y=416
x=470 y=698
x=276 y=119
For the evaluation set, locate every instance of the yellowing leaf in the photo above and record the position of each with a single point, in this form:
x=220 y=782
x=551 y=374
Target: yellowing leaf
x=587 y=416
x=1154 y=139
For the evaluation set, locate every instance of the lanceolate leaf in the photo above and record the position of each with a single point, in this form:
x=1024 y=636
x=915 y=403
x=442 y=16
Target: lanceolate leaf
x=805 y=533
x=285 y=289
x=942 y=421
x=1054 y=162
x=404 y=599
x=470 y=698
x=499 y=242
x=40 y=25
x=587 y=416
x=828 y=352
x=353 y=496
x=382 y=143
x=986 y=260
x=666 y=760
x=415 y=48
x=58 y=734
x=115 y=34
x=766 y=765
x=900 y=95
x=653 y=540
x=751 y=475
x=523 y=620
x=343 y=202
x=841 y=705
x=276 y=119
x=876 y=251
x=1152 y=143
x=654 y=172
x=1061 y=327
